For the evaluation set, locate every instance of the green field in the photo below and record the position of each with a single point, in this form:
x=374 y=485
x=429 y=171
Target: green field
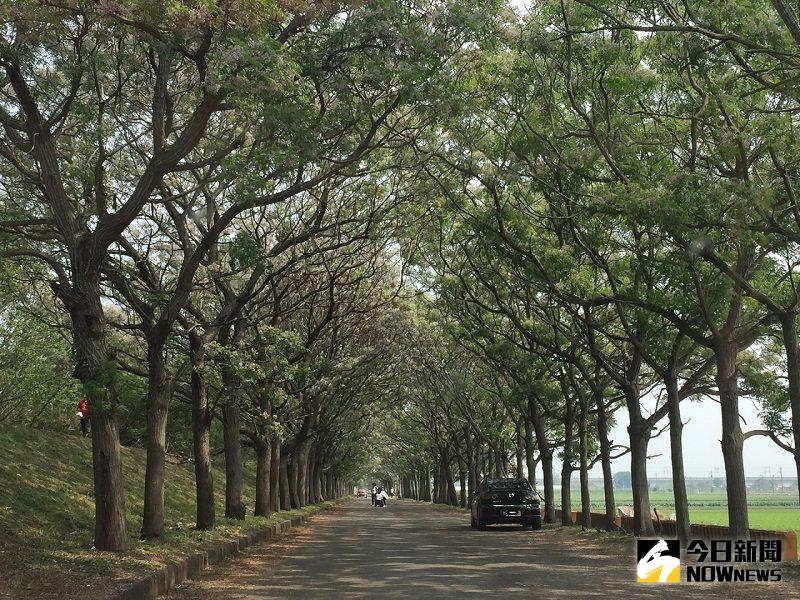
x=775 y=511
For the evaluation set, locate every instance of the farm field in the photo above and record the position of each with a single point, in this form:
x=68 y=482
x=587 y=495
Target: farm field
x=777 y=511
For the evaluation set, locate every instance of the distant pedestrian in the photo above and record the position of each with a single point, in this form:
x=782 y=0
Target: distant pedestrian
x=374 y=494
x=382 y=497
x=83 y=415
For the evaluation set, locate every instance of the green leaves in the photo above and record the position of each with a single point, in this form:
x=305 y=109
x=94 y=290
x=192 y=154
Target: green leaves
x=98 y=387
x=244 y=251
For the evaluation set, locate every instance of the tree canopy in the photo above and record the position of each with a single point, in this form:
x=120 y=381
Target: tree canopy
x=463 y=234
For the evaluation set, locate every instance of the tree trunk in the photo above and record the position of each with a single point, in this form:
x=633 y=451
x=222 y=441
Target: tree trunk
x=263 y=462
x=546 y=455
x=286 y=499
x=789 y=327
x=682 y=523
x=316 y=492
x=639 y=433
x=441 y=483
x=519 y=449
x=462 y=480
x=94 y=369
x=201 y=440
x=566 y=494
x=426 y=485
x=428 y=482
x=605 y=456
x=472 y=463
x=501 y=461
x=301 y=466
x=725 y=354
x=311 y=476
x=234 y=481
x=110 y=529
x=586 y=514
x=436 y=494
x=319 y=496
x=274 y=475
x=549 y=487
x=292 y=472
x=530 y=463
x=566 y=466
x=159 y=390
x=450 y=496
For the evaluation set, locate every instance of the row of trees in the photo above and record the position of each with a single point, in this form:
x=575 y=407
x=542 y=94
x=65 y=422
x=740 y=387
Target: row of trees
x=597 y=203
x=612 y=224
x=206 y=191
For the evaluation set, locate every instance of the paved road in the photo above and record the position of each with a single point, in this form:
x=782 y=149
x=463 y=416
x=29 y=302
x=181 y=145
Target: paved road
x=409 y=550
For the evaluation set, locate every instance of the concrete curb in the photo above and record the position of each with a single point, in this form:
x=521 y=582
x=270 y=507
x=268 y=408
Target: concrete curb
x=190 y=566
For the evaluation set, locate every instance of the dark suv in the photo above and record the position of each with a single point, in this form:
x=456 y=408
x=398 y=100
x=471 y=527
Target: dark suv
x=505 y=501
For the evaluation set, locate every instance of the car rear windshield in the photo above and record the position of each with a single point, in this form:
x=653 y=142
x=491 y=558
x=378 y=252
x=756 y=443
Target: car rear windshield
x=513 y=484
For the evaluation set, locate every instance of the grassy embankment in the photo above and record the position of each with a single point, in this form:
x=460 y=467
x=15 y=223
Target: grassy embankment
x=46 y=518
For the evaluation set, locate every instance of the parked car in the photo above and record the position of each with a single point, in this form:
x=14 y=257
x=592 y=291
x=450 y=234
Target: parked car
x=508 y=500
x=361 y=494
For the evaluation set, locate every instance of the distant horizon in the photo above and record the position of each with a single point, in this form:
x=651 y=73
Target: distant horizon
x=702 y=452
x=786 y=479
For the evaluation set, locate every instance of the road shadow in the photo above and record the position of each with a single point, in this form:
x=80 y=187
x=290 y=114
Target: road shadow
x=411 y=551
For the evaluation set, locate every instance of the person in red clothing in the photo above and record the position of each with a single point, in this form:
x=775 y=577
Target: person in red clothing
x=83 y=415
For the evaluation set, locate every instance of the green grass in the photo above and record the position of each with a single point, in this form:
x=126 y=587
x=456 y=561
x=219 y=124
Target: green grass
x=773 y=511
x=46 y=516
x=776 y=519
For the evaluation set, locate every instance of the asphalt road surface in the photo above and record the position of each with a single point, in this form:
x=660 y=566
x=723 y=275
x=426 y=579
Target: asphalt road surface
x=410 y=550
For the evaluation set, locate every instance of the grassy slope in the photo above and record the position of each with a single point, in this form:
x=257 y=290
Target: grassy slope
x=46 y=517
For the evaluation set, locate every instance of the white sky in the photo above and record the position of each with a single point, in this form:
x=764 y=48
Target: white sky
x=701 y=447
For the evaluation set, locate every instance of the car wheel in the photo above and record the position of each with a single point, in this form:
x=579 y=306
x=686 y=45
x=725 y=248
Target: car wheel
x=537 y=524
x=481 y=524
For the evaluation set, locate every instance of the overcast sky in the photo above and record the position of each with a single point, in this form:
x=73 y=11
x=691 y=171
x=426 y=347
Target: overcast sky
x=701 y=446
